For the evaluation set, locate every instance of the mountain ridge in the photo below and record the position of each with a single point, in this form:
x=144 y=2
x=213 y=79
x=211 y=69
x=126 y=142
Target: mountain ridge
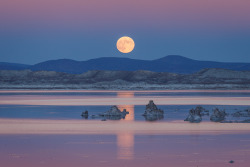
x=171 y=63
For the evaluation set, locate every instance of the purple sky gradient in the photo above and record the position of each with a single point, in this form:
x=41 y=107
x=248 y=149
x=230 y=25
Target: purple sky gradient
x=207 y=30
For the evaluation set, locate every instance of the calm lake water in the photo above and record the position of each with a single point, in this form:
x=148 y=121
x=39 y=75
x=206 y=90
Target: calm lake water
x=44 y=128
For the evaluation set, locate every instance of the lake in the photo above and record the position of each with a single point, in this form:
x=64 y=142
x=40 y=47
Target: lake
x=45 y=128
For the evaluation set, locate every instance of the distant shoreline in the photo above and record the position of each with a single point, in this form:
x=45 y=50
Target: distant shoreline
x=207 y=79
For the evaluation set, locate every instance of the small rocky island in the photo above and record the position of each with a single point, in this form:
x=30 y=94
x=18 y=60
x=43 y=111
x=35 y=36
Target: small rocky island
x=244 y=113
x=244 y=117
x=218 y=115
x=152 y=112
x=195 y=115
x=114 y=113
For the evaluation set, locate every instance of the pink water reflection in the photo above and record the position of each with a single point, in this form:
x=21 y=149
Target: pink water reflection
x=125 y=132
x=69 y=100
x=29 y=142
x=100 y=150
x=125 y=140
x=127 y=96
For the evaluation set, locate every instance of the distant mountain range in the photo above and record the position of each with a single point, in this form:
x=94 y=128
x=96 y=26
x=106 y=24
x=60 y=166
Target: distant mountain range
x=172 y=64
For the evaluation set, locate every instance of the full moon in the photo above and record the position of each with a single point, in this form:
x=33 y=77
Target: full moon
x=125 y=44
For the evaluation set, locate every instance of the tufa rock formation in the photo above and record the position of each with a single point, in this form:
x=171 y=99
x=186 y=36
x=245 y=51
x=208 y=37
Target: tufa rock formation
x=245 y=113
x=195 y=114
x=152 y=110
x=152 y=113
x=114 y=113
x=218 y=115
x=202 y=110
x=85 y=114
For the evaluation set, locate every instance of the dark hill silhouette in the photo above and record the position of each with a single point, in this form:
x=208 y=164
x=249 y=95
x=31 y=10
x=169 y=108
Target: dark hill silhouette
x=13 y=66
x=173 y=64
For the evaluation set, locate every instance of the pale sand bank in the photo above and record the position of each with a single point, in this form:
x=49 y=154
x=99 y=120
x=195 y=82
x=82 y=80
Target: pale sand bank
x=38 y=126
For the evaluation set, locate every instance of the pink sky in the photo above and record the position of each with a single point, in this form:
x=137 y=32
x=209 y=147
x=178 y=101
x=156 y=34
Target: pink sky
x=174 y=13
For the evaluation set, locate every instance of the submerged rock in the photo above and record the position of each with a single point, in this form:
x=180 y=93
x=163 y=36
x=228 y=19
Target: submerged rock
x=195 y=114
x=245 y=113
x=152 y=110
x=85 y=114
x=218 y=115
x=114 y=113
